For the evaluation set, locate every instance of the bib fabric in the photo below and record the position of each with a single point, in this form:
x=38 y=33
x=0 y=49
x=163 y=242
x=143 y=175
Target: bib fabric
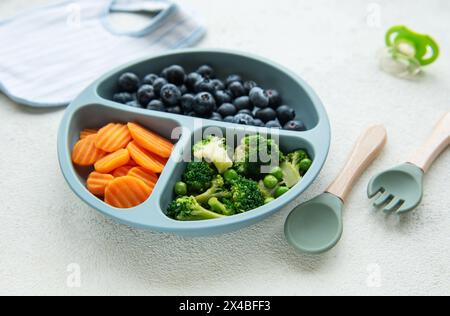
x=48 y=55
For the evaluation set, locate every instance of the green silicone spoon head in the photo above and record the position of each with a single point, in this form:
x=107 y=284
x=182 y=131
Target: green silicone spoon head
x=399 y=189
x=316 y=226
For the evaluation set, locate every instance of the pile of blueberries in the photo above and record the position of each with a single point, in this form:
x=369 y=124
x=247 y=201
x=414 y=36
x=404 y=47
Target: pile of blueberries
x=201 y=94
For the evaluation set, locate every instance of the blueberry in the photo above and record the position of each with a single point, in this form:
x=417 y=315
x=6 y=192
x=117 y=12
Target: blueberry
x=249 y=85
x=170 y=94
x=204 y=104
x=134 y=104
x=245 y=111
x=158 y=84
x=297 y=126
x=122 y=97
x=183 y=89
x=229 y=119
x=186 y=102
x=233 y=78
x=175 y=74
x=145 y=94
x=129 y=82
x=218 y=84
x=243 y=103
x=192 y=79
x=223 y=97
x=243 y=119
x=206 y=71
x=237 y=89
x=274 y=98
x=227 y=109
x=206 y=85
x=258 y=122
x=216 y=117
x=150 y=79
x=266 y=115
x=175 y=110
x=273 y=124
x=164 y=73
x=156 y=105
x=259 y=97
x=193 y=114
x=285 y=114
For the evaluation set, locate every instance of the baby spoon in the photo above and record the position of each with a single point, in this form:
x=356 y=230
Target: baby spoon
x=316 y=226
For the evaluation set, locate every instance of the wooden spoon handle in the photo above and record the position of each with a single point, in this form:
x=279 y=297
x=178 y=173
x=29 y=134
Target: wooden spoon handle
x=368 y=147
x=434 y=146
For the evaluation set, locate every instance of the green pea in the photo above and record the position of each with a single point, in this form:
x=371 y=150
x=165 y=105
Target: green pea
x=280 y=191
x=277 y=172
x=305 y=164
x=270 y=182
x=181 y=188
x=269 y=200
x=230 y=175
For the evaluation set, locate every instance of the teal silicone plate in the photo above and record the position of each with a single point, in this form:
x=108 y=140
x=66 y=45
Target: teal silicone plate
x=93 y=109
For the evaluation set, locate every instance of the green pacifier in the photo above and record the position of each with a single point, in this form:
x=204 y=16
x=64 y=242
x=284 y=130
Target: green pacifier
x=407 y=52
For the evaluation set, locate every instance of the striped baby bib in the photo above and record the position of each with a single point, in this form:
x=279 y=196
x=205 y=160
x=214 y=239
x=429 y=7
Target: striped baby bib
x=48 y=55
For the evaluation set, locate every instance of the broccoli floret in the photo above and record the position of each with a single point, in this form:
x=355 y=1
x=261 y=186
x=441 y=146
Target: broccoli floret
x=198 y=176
x=254 y=153
x=297 y=156
x=216 y=190
x=294 y=167
x=246 y=195
x=188 y=209
x=225 y=208
x=214 y=150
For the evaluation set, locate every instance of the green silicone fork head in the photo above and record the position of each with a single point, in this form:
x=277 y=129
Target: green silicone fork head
x=400 y=188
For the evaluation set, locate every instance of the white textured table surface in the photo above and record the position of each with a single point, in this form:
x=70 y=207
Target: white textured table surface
x=46 y=228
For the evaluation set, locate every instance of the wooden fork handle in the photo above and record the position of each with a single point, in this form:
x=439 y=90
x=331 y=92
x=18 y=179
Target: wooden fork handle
x=368 y=147
x=434 y=146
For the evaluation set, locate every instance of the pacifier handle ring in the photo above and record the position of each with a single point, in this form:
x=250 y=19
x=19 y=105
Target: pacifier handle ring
x=434 y=48
x=393 y=30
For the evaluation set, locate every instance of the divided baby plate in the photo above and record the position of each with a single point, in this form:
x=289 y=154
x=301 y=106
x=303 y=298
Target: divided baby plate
x=94 y=108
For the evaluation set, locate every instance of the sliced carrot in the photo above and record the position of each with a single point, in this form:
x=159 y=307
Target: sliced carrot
x=122 y=171
x=145 y=158
x=127 y=192
x=145 y=175
x=113 y=161
x=113 y=137
x=150 y=141
x=85 y=153
x=132 y=163
x=87 y=132
x=97 y=183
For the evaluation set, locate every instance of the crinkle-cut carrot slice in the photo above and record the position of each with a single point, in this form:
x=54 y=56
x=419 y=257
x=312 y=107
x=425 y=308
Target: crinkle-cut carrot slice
x=122 y=171
x=133 y=163
x=145 y=158
x=112 y=161
x=145 y=175
x=97 y=183
x=127 y=192
x=113 y=137
x=150 y=141
x=87 y=132
x=85 y=153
